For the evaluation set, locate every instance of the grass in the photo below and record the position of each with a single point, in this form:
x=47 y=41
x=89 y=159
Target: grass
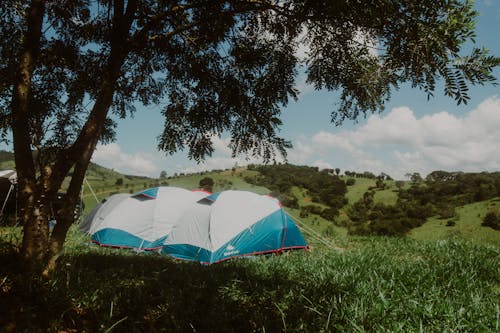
x=467 y=225
x=223 y=180
x=376 y=285
x=356 y=191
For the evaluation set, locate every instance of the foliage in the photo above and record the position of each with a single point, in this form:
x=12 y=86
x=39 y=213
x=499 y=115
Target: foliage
x=440 y=195
x=492 y=220
x=378 y=284
x=207 y=184
x=323 y=187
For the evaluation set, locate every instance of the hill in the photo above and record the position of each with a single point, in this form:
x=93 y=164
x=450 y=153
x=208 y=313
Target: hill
x=325 y=206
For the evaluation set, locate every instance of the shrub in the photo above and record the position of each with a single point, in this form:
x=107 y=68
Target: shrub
x=350 y=182
x=491 y=220
x=451 y=223
x=207 y=184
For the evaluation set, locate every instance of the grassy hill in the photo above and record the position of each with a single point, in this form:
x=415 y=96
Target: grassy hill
x=102 y=182
x=466 y=227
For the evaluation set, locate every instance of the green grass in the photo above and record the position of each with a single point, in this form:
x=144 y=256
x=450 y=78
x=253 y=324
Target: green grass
x=375 y=285
x=356 y=191
x=467 y=225
x=223 y=180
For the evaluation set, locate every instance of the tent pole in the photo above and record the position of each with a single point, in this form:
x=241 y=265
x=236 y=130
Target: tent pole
x=91 y=190
x=6 y=199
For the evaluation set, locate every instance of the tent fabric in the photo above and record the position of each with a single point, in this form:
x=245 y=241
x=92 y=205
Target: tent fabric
x=142 y=220
x=8 y=181
x=10 y=175
x=232 y=224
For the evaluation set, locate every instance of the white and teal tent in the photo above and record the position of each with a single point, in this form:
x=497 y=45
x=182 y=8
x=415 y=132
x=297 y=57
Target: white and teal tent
x=232 y=224
x=142 y=220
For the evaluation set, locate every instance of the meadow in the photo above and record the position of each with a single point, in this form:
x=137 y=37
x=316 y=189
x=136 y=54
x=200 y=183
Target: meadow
x=430 y=281
x=372 y=284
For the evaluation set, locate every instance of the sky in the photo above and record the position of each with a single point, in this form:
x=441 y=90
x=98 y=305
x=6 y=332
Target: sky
x=413 y=134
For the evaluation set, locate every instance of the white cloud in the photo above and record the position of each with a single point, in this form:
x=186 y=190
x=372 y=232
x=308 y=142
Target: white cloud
x=322 y=164
x=399 y=142
x=112 y=156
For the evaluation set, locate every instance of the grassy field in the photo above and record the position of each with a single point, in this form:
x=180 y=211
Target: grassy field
x=373 y=285
x=466 y=226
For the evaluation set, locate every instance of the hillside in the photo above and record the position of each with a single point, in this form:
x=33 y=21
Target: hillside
x=464 y=224
x=327 y=214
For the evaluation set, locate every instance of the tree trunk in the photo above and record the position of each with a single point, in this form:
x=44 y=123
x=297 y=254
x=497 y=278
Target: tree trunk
x=65 y=217
x=37 y=194
x=81 y=151
x=35 y=234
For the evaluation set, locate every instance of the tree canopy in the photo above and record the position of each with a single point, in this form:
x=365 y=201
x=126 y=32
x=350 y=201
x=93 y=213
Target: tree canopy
x=67 y=69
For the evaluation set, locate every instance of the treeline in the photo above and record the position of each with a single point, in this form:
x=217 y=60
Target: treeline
x=324 y=187
x=439 y=194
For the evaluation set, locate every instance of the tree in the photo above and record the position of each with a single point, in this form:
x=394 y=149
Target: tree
x=163 y=174
x=217 y=66
x=207 y=184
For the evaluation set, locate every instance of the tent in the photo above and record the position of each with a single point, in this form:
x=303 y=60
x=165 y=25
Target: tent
x=8 y=181
x=232 y=224
x=142 y=220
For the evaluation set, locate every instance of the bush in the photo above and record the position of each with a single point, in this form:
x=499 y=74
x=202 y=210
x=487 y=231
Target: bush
x=207 y=184
x=491 y=220
x=329 y=213
x=288 y=200
x=350 y=182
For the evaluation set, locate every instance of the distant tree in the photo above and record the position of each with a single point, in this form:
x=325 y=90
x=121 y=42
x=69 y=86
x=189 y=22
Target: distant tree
x=163 y=174
x=222 y=66
x=350 y=181
x=119 y=182
x=416 y=178
x=207 y=184
x=492 y=220
x=399 y=184
x=368 y=175
x=337 y=171
x=379 y=183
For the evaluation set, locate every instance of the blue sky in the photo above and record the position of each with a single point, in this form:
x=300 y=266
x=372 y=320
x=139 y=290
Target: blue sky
x=411 y=135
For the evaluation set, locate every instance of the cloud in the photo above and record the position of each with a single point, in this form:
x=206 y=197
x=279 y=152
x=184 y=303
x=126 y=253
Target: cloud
x=112 y=156
x=400 y=142
x=397 y=143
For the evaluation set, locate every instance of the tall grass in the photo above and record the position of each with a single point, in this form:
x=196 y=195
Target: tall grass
x=376 y=285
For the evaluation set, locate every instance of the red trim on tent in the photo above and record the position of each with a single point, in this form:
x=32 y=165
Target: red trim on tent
x=270 y=196
x=277 y=251
x=202 y=191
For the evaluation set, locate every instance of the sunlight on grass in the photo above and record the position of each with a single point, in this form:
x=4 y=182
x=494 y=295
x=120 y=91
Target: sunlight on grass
x=376 y=284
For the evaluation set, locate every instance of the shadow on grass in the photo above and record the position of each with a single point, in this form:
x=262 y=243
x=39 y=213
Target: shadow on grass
x=137 y=293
